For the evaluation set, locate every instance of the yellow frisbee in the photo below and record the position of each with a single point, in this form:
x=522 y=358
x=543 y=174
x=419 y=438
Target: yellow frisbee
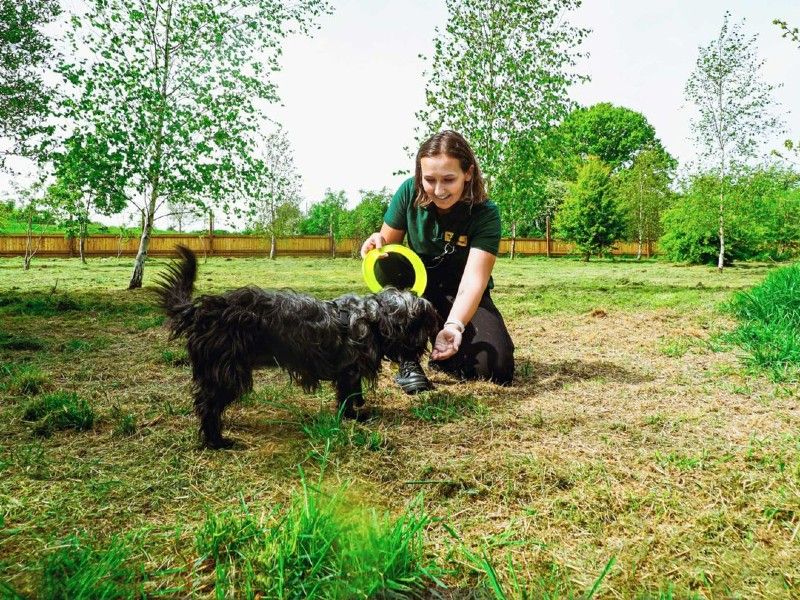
x=402 y=268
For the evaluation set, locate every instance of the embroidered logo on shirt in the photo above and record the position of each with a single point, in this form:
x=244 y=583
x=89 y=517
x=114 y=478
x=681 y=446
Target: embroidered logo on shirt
x=462 y=239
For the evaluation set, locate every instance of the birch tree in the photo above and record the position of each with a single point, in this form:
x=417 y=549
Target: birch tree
x=644 y=194
x=178 y=89
x=734 y=107
x=501 y=67
x=276 y=188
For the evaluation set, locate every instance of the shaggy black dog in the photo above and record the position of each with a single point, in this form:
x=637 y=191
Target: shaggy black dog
x=341 y=340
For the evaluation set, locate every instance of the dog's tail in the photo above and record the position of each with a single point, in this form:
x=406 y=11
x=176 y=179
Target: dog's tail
x=175 y=288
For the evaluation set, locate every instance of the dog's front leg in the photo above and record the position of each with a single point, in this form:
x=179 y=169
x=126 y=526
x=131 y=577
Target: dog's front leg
x=349 y=394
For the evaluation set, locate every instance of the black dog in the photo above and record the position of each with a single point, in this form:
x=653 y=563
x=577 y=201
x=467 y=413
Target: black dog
x=341 y=340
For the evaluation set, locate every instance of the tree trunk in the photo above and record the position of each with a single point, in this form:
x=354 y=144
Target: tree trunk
x=144 y=244
x=721 y=259
x=272 y=247
x=547 y=234
x=513 y=239
x=639 y=250
x=26 y=263
x=82 y=242
x=332 y=240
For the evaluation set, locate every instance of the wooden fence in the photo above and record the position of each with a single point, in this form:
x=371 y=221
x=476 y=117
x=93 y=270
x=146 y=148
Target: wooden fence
x=240 y=245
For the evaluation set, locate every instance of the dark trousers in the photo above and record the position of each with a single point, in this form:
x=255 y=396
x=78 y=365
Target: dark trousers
x=486 y=350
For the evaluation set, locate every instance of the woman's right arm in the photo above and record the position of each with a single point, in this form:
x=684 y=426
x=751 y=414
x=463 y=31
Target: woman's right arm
x=387 y=235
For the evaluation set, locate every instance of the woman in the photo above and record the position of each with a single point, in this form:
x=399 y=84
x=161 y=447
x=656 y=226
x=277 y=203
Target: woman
x=456 y=231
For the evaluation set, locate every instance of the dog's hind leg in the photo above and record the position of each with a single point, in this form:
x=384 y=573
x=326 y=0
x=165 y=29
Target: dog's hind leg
x=349 y=395
x=214 y=391
x=209 y=404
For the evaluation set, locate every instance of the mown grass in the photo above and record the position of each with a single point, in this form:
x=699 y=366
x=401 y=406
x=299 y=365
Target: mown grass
x=634 y=457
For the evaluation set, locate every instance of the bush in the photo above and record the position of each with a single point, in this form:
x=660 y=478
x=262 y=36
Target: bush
x=761 y=218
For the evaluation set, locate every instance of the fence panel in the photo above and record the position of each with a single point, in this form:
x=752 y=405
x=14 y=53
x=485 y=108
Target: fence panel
x=244 y=245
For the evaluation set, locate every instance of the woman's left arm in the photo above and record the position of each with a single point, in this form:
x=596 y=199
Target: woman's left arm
x=470 y=291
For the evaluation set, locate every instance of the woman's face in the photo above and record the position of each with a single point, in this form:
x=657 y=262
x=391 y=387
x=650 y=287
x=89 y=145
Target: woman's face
x=443 y=180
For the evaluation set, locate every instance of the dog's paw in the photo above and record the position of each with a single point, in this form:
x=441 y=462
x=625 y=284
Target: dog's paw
x=221 y=443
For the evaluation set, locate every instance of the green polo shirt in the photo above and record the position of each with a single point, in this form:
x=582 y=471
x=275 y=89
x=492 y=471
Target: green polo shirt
x=427 y=231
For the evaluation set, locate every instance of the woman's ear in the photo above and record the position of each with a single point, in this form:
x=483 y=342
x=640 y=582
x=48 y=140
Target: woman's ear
x=468 y=175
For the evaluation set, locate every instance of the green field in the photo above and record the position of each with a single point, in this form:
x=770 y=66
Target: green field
x=635 y=456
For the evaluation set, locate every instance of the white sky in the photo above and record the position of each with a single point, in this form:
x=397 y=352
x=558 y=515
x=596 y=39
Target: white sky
x=349 y=94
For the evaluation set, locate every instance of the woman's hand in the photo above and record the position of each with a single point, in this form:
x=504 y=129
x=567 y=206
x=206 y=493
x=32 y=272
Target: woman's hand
x=376 y=240
x=447 y=342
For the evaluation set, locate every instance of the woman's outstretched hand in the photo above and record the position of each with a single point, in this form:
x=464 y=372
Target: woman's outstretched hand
x=447 y=343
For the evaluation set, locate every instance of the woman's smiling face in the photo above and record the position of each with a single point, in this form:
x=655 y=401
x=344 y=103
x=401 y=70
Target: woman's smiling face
x=443 y=180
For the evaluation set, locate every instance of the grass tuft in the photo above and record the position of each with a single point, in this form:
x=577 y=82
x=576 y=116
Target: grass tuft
x=769 y=329
x=23 y=380
x=318 y=547
x=78 y=571
x=59 y=410
x=445 y=407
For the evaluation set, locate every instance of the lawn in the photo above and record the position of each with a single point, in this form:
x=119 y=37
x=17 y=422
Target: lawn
x=636 y=456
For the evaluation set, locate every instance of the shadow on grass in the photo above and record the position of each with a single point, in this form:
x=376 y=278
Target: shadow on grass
x=552 y=376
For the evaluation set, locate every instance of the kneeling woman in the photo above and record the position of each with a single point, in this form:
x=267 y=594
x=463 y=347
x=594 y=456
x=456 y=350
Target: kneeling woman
x=456 y=231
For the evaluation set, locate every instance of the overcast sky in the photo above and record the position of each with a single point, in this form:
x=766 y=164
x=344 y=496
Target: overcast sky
x=349 y=94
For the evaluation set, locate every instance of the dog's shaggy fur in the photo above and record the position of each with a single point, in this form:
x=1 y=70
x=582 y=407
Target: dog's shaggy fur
x=342 y=340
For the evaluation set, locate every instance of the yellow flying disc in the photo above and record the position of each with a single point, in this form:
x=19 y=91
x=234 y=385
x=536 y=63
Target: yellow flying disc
x=402 y=268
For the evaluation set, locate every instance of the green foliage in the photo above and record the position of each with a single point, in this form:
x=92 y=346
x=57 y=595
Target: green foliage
x=275 y=206
x=614 y=134
x=78 y=571
x=762 y=218
x=770 y=322
x=644 y=193
x=367 y=216
x=500 y=68
x=590 y=216
x=326 y=216
x=318 y=548
x=25 y=52
x=59 y=410
x=526 y=189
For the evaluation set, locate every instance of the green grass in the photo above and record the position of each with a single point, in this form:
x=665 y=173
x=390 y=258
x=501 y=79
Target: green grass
x=769 y=330
x=632 y=431
x=317 y=547
x=445 y=407
x=58 y=411
x=78 y=570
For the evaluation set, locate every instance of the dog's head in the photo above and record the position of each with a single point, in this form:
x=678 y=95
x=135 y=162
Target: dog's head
x=406 y=324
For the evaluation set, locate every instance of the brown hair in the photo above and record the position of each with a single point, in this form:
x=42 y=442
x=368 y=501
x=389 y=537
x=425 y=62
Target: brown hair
x=450 y=143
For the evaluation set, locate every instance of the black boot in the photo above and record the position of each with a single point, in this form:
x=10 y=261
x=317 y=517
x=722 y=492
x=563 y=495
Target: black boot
x=412 y=378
